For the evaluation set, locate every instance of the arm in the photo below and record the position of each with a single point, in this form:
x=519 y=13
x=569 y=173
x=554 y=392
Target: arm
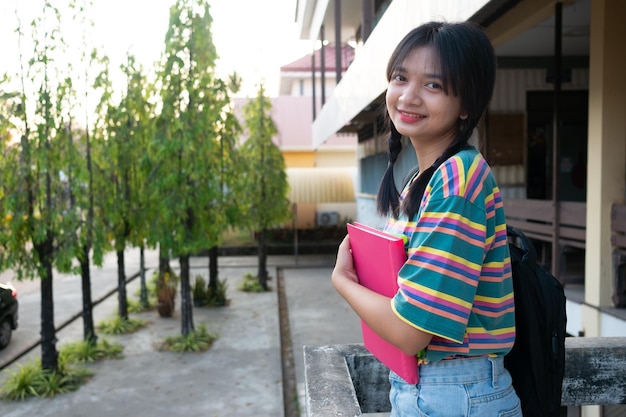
x=373 y=308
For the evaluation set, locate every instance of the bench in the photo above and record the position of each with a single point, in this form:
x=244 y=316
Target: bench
x=618 y=241
x=347 y=380
x=536 y=219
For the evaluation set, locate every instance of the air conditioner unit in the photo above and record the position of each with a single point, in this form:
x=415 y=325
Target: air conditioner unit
x=327 y=218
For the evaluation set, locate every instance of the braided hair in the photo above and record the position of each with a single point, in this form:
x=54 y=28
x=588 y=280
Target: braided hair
x=468 y=69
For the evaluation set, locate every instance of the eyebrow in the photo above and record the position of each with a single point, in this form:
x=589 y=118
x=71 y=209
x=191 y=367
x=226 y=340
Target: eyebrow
x=427 y=75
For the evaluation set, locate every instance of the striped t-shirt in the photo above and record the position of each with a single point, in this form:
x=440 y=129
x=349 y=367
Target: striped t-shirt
x=456 y=283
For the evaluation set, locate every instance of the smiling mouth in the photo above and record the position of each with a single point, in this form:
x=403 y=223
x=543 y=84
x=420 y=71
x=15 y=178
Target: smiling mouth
x=407 y=116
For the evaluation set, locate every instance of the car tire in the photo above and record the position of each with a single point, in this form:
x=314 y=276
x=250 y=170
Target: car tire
x=5 y=333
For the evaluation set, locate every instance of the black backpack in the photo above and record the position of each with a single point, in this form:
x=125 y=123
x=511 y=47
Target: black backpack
x=537 y=360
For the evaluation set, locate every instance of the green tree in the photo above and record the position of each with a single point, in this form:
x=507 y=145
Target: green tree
x=123 y=136
x=265 y=179
x=85 y=188
x=8 y=108
x=40 y=235
x=230 y=170
x=188 y=143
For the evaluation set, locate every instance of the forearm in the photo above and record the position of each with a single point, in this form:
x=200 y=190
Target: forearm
x=375 y=310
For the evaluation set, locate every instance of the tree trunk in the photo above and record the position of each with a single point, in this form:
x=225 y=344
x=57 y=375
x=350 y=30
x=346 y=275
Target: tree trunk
x=262 y=272
x=121 y=286
x=49 y=353
x=164 y=265
x=186 y=306
x=143 y=294
x=89 y=332
x=213 y=278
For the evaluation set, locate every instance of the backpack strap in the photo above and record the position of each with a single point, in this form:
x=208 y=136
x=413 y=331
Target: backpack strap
x=409 y=176
x=530 y=255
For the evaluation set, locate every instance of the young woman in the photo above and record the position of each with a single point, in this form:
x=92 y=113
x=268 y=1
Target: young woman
x=454 y=308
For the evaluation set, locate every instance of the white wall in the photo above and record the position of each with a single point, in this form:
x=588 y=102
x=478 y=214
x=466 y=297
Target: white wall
x=509 y=95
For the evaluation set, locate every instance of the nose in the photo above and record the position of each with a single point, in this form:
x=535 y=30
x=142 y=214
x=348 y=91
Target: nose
x=410 y=94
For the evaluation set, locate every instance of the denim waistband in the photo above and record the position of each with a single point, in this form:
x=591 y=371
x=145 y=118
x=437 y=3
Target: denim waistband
x=460 y=371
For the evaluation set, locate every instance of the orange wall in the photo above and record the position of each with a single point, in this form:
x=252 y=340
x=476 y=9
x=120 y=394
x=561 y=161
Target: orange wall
x=302 y=159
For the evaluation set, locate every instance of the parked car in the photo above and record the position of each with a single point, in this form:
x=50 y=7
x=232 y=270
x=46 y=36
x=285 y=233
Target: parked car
x=8 y=313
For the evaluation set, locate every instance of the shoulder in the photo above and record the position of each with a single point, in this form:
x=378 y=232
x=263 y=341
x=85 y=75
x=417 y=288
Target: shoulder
x=467 y=161
x=466 y=174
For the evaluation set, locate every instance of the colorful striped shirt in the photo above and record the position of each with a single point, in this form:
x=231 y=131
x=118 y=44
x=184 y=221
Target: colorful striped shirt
x=456 y=283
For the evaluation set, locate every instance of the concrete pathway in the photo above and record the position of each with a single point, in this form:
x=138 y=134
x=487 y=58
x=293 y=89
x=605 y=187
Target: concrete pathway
x=241 y=375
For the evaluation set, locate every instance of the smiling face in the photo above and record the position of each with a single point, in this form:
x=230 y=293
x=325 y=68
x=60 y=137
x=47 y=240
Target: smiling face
x=418 y=105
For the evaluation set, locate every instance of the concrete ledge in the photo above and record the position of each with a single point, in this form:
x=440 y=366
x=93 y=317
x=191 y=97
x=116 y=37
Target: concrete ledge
x=328 y=380
x=347 y=380
x=595 y=371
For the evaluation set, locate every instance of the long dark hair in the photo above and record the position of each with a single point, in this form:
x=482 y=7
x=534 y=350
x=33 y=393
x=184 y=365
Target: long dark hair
x=467 y=66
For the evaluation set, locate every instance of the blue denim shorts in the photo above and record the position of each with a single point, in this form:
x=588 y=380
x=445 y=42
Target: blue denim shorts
x=471 y=387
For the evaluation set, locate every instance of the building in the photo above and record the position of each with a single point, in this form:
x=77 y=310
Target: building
x=322 y=179
x=554 y=141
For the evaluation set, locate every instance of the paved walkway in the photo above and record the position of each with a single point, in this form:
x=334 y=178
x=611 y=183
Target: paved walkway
x=241 y=375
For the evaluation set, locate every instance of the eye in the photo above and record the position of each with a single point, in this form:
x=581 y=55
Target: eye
x=434 y=85
x=399 y=78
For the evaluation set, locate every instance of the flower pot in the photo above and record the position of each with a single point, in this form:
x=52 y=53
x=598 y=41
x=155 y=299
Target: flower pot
x=165 y=308
x=165 y=301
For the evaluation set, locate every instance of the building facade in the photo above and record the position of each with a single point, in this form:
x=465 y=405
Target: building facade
x=322 y=179
x=558 y=140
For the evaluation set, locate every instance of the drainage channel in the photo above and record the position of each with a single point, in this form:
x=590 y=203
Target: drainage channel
x=290 y=386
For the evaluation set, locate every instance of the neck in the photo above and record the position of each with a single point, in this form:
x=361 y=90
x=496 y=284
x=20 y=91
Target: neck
x=428 y=153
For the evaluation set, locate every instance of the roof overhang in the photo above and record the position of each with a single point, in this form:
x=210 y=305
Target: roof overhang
x=517 y=28
x=364 y=83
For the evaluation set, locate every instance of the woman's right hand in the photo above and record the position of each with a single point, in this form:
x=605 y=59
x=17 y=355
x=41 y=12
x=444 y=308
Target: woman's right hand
x=344 y=266
x=373 y=308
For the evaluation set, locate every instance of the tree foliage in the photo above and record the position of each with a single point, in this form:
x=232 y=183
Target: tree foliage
x=40 y=235
x=193 y=134
x=84 y=185
x=157 y=164
x=265 y=179
x=125 y=133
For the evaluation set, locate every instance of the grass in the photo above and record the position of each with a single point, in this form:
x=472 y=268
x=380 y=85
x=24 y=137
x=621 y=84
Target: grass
x=250 y=283
x=83 y=351
x=196 y=341
x=203 y=295
x=30 y=380
x=118 y=325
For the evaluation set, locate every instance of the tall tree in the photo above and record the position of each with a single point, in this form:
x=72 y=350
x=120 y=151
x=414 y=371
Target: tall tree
x=123 y=139
x=8 y=108
x=230 y=193
x=267 y=204
x=83 y=184
x=40 y=235
x=186 y=151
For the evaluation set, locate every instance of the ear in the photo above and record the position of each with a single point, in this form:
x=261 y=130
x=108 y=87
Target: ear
x=463 y=116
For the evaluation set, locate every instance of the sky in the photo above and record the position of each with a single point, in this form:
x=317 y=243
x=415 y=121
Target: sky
x=253 y=37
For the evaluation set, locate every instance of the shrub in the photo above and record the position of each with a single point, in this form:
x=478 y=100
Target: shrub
x=85 y=351
x=204 y=295
x=196 y=341
x=250 y=283
x=118 y=325
x=30 y=380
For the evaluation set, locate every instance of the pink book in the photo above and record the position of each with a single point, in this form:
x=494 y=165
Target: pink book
x=377 y=257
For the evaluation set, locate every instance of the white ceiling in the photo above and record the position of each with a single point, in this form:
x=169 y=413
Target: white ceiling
x=539 y=41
